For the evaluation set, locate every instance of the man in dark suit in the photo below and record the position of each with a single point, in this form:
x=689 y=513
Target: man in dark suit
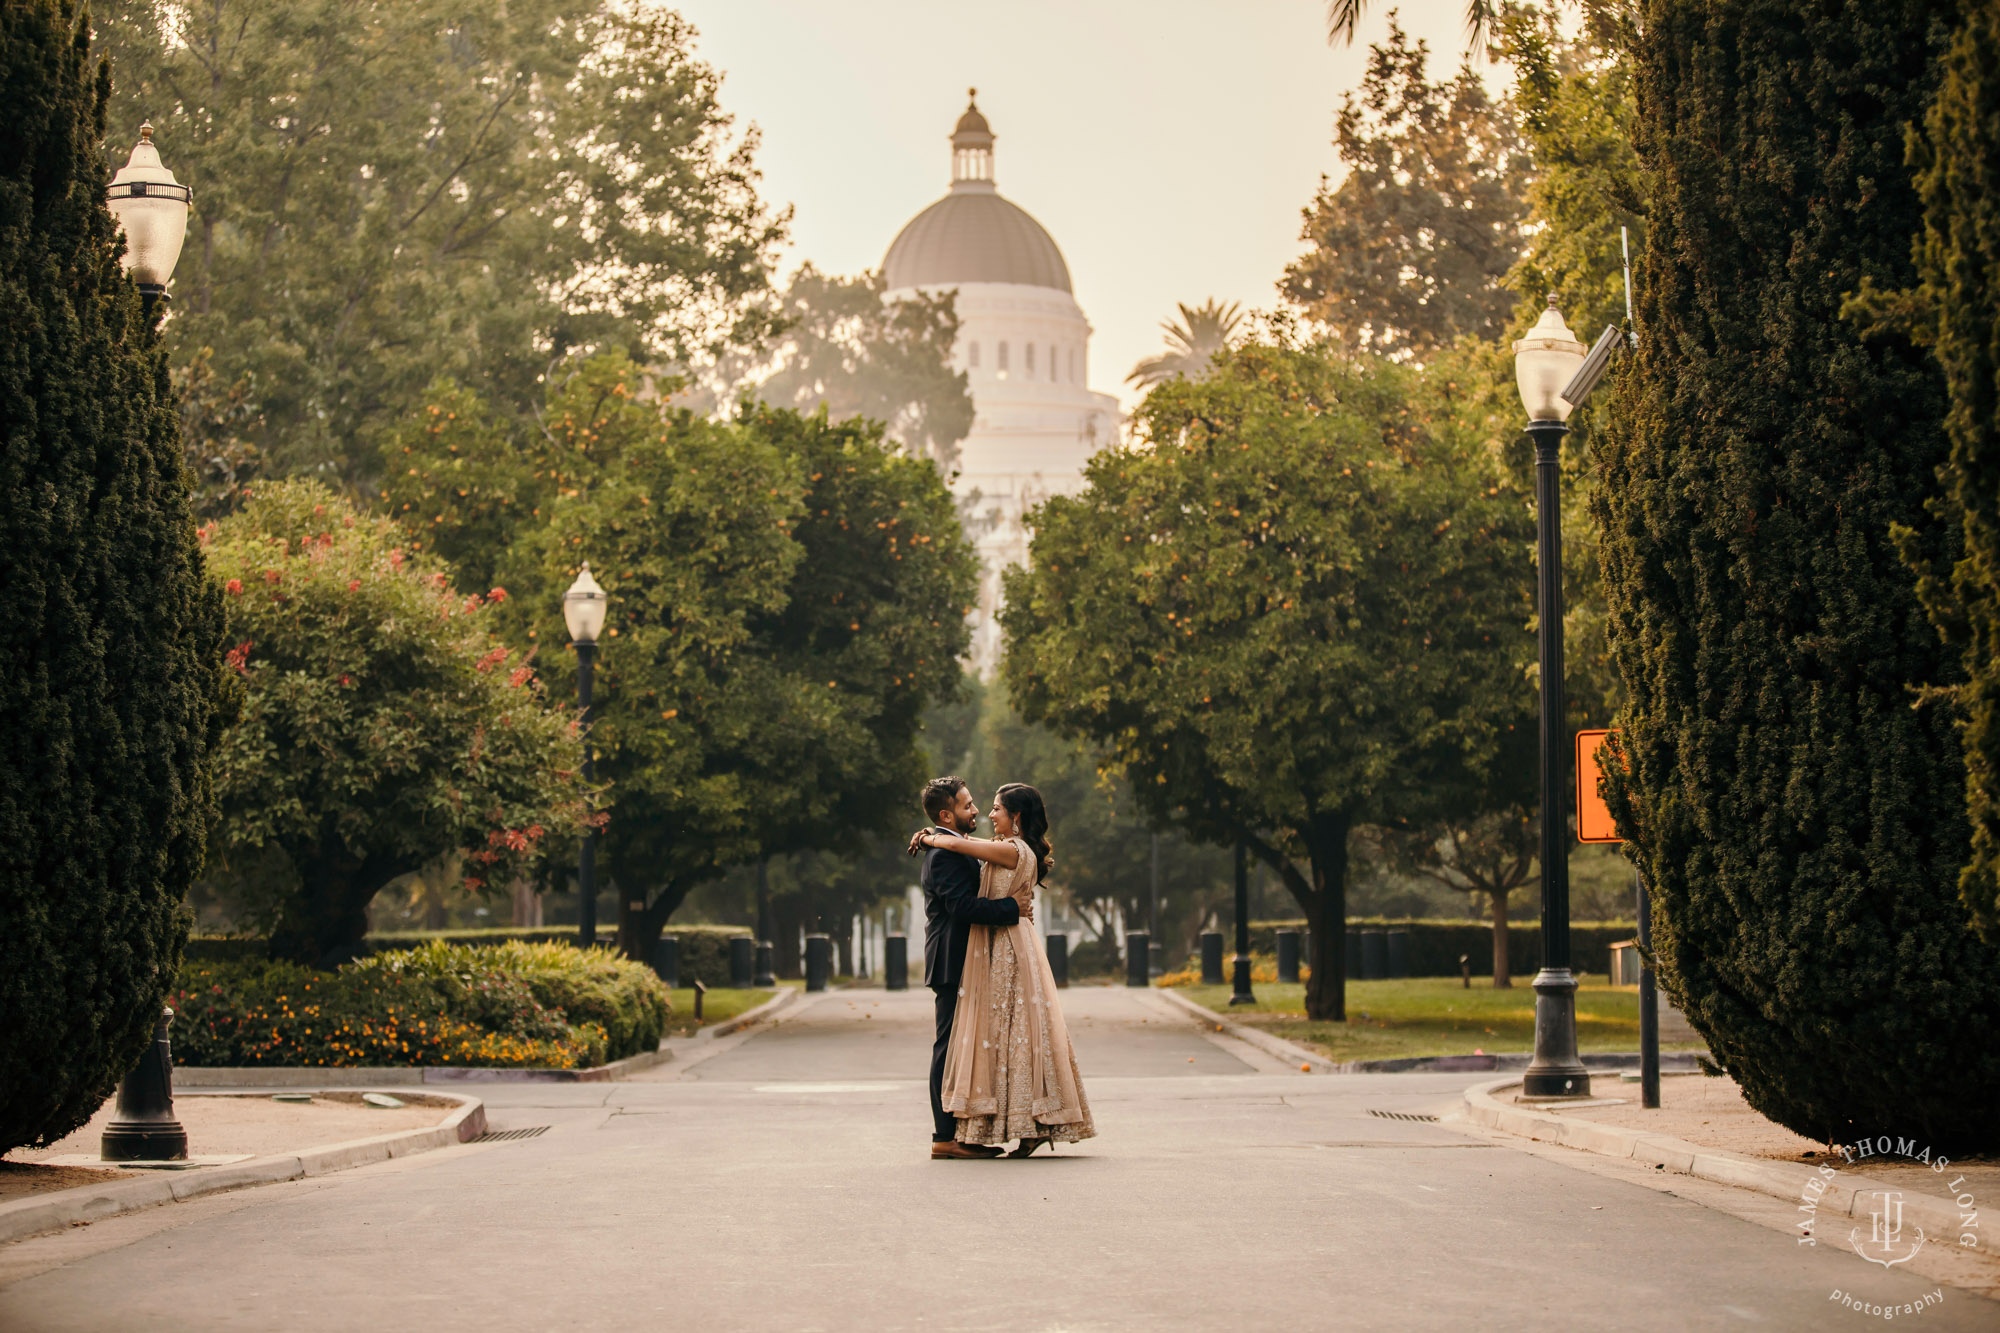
x=952 y=907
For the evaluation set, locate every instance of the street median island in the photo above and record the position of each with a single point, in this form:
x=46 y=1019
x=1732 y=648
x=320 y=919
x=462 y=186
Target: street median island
x=236 y=1141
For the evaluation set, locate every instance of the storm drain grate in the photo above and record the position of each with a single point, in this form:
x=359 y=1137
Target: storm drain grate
x=506 y=1135
x=1404 y=1115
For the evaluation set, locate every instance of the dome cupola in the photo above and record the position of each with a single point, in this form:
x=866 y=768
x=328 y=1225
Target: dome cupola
x=972 y=234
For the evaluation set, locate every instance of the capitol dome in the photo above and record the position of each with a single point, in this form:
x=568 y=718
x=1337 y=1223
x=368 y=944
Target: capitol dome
x=1024 y=347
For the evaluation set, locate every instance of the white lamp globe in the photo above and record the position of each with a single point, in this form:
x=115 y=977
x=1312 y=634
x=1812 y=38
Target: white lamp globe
x=1544 y=362
x=152 y=209
x=583 y=608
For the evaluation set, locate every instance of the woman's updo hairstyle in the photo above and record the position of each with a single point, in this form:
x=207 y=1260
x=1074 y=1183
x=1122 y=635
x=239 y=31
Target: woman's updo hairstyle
x=1031 y=816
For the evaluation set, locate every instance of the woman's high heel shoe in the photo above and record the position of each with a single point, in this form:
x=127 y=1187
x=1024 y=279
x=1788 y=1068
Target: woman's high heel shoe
x=1028 y=1146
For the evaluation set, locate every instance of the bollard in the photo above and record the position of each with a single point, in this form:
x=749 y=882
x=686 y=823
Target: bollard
x=896 y=963
x=764 y=959
x=1353 y=954
x=1137 y=953
x=143 y=1128
x=1465 y=969
x=1399 y=953
x=819 y=961
x=667 y=961
x=1059 y=959
x=741 y=947
x=699 y=991
x=1211 y=958
x=1288 y=957
x=1374 y=955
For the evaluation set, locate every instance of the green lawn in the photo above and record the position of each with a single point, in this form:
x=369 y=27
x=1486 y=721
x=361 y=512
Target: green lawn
x=1431 y=1016
x=718 y=1006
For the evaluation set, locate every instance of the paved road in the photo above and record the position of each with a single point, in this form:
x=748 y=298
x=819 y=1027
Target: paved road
x=782 y=1182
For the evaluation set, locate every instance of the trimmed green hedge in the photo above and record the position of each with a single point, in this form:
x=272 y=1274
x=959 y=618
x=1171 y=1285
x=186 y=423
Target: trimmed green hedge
x=587 y=986
x=1436 y=944
x=512 y=1003
x=253 y=1012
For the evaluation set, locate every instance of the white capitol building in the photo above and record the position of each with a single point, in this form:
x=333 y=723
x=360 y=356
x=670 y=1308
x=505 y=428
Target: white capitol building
x=1025 y=345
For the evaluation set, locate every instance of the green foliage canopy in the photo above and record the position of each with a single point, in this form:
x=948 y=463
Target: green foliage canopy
x=383 y=722
x=387 y=193
x=1294 y=607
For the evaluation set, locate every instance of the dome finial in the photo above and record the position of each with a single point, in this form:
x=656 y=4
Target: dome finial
x=972 y=147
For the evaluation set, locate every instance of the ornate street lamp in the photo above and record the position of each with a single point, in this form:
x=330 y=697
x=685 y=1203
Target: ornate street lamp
x=1545 y=364
x=152 y=209
x=583 y=612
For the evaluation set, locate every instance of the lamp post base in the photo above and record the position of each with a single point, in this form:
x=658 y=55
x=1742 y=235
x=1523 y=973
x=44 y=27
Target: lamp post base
x=1555 y=1070
x=1240 y=966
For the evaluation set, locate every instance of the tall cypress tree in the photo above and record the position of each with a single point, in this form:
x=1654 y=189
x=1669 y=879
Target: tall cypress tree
x=110 y=669
x=1796 y=804
x=1958 y=161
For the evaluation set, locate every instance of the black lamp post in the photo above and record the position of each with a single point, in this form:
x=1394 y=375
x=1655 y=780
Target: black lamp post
x=583 y=612
x=151 y=208
x=1545 y=362
x=1240 y=966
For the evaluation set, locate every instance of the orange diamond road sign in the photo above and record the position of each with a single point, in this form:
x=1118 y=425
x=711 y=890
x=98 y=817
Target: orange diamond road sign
x=1593 y=819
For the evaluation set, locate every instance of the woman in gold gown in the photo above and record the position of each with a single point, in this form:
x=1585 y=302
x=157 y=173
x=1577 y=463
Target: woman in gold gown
x=1010 y=1072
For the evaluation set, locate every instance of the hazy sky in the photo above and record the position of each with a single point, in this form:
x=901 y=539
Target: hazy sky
x=1167 y=145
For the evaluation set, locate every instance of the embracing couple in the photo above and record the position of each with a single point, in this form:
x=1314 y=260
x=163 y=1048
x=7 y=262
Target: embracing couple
x=1001 y=1067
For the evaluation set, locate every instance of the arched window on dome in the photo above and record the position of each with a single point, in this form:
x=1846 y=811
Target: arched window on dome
x=1028 y=355
x=1002 y=364
x=972 y=355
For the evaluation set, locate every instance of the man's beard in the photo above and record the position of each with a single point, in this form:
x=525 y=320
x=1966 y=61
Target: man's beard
x=965 y=826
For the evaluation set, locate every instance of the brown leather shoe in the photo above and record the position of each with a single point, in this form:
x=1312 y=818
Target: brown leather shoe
x=967 y=1151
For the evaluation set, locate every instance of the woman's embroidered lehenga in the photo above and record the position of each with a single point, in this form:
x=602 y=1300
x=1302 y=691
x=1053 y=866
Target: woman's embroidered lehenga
x=1010 y=1072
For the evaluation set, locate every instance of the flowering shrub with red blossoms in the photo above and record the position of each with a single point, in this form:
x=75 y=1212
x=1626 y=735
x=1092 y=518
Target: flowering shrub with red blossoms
x=384 y=722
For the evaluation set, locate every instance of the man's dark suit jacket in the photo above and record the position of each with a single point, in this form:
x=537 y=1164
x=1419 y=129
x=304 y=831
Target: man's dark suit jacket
x=952 y=907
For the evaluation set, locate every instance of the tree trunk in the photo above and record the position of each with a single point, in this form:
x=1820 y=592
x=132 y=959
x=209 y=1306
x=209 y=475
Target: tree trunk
x=639 y=932
x=1326 y=917
x=1503 y=978
x=325 y=924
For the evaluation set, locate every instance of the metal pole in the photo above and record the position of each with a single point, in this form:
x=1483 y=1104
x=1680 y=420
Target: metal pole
x=586 y=852
x=765 y=933
x=1649 y=1004
x=1155 y=947
x=1240 y=965
x=1555 y=1070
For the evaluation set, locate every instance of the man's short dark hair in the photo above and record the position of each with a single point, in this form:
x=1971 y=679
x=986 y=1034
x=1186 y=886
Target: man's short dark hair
x=940 y=795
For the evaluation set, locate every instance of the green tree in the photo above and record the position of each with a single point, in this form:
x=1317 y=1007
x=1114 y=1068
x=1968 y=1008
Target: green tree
x=1412 y=249
x=1344 y=16
x=1297 y=610
x=1800 y=822
x=1203 y=333
x=112 y=681
x=846 y=347
x=787 y=596
x=388 y=193
x=1958 y=161
x=383 y=722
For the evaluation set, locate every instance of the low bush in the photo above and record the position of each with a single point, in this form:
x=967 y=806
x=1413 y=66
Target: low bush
x=587 y=986
x=252 y=1012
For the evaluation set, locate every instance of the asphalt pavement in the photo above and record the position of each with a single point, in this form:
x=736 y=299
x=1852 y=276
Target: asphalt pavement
x=780 y=1178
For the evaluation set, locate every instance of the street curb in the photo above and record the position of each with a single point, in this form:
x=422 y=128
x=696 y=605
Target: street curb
x=94 y=1203
x=294 y=1076
x=1790 y=1181
x=1672 y=1062
x=786 y=995
x=1263 y=1041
